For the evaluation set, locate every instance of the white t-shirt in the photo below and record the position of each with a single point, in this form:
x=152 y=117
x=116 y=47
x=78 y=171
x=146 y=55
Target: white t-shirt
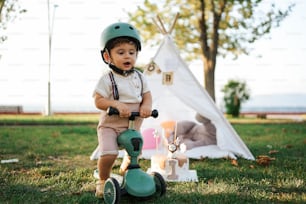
x=129 y=87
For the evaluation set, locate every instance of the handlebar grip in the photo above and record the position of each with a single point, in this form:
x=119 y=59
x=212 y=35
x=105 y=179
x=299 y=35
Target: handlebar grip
x=112 y=111
x=154 y=113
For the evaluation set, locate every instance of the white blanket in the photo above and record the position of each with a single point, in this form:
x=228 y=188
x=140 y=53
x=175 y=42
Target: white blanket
x=209 y=151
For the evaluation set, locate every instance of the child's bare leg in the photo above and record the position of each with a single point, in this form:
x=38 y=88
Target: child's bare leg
x=125 y=163
x=105 y=165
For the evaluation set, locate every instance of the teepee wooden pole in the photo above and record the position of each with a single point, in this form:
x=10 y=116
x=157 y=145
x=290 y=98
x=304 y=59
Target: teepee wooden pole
x=158 y=27
x=174 y=22
x=162 y=24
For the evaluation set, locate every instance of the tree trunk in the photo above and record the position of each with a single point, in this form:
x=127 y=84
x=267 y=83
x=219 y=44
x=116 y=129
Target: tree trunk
x=209 y=77
x=1 y=7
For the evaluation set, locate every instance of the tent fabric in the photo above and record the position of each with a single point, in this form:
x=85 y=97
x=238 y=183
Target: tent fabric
x=182 y=100
x=185 y=97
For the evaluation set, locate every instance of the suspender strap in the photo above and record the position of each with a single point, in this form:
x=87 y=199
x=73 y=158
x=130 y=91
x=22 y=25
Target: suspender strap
x=114 y=86
x=141 y=93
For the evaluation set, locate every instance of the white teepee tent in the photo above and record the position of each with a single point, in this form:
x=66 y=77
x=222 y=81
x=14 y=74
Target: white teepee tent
x=178 y=96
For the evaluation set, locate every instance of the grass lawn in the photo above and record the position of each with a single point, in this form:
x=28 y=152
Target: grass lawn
x=54 y=165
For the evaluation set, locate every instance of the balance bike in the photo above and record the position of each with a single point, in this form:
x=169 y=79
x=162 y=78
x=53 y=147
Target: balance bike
x=135 y=182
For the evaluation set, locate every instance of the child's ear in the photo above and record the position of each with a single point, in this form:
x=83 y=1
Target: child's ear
x=106 y=57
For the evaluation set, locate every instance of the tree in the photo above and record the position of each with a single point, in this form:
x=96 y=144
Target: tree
x=208 y=28
x=9 y=9
x=235 y=93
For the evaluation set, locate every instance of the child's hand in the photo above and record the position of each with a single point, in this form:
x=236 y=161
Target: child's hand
x=145 y=111
x=123 y=109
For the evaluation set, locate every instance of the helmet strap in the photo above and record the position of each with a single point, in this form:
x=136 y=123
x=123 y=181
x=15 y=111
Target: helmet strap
x=113 y=67
x=120 y=71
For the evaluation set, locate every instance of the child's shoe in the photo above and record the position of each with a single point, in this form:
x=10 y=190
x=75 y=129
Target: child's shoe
x=100 y=188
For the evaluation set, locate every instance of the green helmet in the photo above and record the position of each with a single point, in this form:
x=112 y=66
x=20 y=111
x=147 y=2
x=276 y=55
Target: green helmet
x=119 y=30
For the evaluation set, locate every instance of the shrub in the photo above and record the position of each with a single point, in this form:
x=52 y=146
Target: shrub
x=235 y=93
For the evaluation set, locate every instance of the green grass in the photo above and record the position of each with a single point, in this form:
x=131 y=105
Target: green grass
x=57 y=119
x=54 y=165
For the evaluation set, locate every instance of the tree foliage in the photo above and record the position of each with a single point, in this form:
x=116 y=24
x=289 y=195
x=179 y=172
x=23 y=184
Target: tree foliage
x=210 y=28
x=235 y=93
x=9 y=9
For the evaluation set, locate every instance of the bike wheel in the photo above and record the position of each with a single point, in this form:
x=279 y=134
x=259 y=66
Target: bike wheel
x=111 y=191
x=160 y=184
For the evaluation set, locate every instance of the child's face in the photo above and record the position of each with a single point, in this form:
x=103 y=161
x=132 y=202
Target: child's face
x=124 y=56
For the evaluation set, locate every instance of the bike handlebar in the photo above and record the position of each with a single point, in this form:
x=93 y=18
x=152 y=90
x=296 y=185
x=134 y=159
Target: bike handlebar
x=113 y=111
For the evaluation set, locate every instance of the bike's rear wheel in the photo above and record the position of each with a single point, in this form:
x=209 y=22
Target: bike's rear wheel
x=160 y=184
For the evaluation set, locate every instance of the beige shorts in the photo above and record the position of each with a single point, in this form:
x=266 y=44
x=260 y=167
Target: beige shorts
x=109 y=129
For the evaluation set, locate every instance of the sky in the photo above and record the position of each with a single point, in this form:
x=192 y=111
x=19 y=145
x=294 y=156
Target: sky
x=76 y=64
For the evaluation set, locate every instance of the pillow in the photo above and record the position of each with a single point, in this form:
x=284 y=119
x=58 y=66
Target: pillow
x=149 y=141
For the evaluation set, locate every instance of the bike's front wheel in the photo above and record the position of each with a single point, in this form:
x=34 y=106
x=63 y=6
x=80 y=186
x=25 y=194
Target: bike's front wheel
x=111 y=191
